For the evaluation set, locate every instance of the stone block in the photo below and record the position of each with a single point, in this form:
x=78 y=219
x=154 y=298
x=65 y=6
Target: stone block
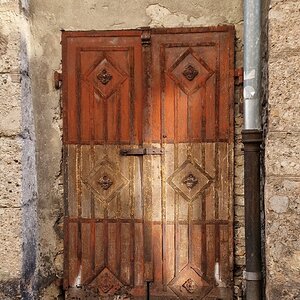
x=240 y=261
x=284 y=27
x=282 y=203
x=284 y=93
x=9 y=41
x=10 y=104
x=240 y=251
x=10 y=172
x=282 y=154
x=282 y=230
x=284 y=68
x=11 y=244
x=239 y=211
x=9 y=5
x=282 y=195
x=239 y=200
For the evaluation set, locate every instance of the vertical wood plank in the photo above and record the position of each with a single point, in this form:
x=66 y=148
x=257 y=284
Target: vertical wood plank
x=72 y=249
x=71 y=182
x=170 y=251
x=225 y=105
x=137 y=193
x=224 y=180
x=99 y=111
x=137 y=83
x=139 y=255
x=169 y=115
x=156 y=188
x=85 y=118
x=209 y=195
x=70 y=90
x=112 y=118
x=224 y=253
x=148 y=217
x=196 y=244
x=210 y=99
x=86 y=193
x=210 y=249
x=157 y=251
x=125 y=254
x=196 y=100
x=125 y=114
x=112 y=253
x=184 y=245
x=182 y=106
x=86 y=265
x=99 y=246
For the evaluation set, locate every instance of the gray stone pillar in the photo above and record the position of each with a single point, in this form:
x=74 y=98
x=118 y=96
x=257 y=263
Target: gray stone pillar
x=17 y=156
x=282 y=187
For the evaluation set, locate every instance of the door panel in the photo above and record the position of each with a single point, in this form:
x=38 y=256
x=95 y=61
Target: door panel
x=193 y=242
x=103 y=88
x=165 y=219
x=104 y=226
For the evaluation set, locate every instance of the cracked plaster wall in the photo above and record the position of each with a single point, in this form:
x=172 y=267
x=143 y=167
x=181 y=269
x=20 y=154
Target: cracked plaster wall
x=46 y=19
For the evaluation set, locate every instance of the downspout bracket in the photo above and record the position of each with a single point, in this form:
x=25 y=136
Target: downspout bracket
x=253 y=276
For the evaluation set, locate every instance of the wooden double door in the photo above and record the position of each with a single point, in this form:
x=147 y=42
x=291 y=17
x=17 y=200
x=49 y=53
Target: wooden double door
x=148 y=159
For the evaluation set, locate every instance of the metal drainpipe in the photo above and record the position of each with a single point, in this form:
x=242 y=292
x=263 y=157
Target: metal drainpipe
x=252 y=139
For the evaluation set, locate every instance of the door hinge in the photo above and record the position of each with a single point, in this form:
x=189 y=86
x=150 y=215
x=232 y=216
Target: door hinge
x=146 y=37
x=57 y=80
x=142 y=151
x=239 y=76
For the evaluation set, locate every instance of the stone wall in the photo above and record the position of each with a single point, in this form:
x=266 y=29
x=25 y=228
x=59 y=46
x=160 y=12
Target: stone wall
x=47 y=19
x=17 y=156
x=282 y=188
x=43 y=271
x=31 y=197
x=11 y=151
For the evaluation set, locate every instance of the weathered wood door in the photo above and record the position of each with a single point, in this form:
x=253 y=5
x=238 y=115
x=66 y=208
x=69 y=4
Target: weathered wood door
x=148 y=156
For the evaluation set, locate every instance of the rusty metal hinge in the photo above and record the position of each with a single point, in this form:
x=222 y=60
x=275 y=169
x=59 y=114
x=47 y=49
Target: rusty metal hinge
x=57 y=80
x=239 y=76
x=141 y=151
x=146 y=37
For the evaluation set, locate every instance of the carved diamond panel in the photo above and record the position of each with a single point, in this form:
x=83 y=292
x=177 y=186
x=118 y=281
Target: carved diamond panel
x=190 y=72
x=106 y=77
x=190 y=284
x=189 y=180
x=106 y=180
x=106 y=283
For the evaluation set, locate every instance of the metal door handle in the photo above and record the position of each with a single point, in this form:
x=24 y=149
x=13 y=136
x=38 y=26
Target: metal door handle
x=142 y=151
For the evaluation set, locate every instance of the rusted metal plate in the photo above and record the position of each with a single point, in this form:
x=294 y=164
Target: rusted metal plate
x=164 y=217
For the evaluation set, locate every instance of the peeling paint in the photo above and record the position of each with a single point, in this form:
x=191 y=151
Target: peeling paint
x=249 y=92
x=218 y=279
x=162 y=17
x=77 y=281
x=250 y=75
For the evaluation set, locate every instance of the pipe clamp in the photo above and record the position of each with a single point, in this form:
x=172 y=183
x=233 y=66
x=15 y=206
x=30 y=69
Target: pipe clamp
x=253 y=276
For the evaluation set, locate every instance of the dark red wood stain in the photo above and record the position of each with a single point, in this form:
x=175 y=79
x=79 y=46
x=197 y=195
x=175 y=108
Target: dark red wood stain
x=167 y=88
